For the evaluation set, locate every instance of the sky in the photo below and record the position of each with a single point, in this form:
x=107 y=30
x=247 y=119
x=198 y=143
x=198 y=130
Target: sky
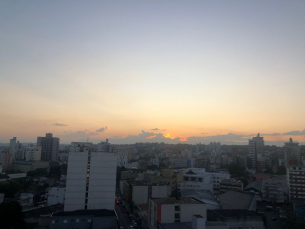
x=156 y=71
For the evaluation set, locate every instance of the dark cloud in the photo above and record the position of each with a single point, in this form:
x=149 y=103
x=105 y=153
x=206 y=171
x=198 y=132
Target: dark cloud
x=59 y=124
x=295 y=132
x=102 y=129
x=155 y=129
x=274 y=134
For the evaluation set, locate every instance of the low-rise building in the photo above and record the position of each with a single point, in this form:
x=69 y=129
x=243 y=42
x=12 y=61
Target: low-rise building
x=202 y=163
x=195 y=185
x=139 y=192
x=275 y=189
x=56 y=195
x=168 y=177
x=172 y=210
x=200 y=175
x=230 y=184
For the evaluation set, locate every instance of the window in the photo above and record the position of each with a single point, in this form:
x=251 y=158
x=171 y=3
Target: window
x=177 y=215
x=72 y=220
x=53 y=221
x=89 y=220
x=83 y=220
x=177 y=208
x=77 y=220
x=65 y=221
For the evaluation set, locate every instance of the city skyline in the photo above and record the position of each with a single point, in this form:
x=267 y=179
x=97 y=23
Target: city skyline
x=153 y=71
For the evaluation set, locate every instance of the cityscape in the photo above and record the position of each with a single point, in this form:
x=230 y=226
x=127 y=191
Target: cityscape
x=134 y=114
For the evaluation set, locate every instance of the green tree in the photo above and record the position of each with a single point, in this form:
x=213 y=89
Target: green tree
x=12 y=215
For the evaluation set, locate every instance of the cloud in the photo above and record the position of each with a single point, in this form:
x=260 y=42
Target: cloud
x=163 y=130
x=155 y=129
x=77 y=134
x=274 y=134
x=102 y=129
x=150 y=137
x=295 y=132
x=59 y=124
x=117 y=136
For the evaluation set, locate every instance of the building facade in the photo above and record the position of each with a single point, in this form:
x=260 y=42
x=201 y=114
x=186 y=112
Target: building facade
x=296 y=182
x=230 y=184
x=32 y=153
x=275 y=189
x=49 y=147
x=256 y=146
x=171 y=210
x=56 y=195
x=91 y=178
x=292 y=153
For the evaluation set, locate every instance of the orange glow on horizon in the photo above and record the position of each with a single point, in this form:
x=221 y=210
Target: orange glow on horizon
x=168 y=136
x=150 y=137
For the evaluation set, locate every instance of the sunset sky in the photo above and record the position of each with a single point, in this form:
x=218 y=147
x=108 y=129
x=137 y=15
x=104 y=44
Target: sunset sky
x=172 y=71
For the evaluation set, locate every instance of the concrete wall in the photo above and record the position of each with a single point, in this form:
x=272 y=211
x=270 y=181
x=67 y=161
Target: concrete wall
x=188 y=210
x=140 y=194
x=56 y=196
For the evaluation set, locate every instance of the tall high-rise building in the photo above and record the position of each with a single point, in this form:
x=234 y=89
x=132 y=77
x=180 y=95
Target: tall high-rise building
x=292 y=153
x=13 y=144
x=256 y=146
x=91 y=178
x=49 y=147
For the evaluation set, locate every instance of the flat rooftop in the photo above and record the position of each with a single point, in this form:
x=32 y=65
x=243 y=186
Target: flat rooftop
x=95 y=213
x=173 y=200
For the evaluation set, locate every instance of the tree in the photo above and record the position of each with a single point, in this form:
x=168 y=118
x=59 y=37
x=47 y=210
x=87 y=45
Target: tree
x=11 y=215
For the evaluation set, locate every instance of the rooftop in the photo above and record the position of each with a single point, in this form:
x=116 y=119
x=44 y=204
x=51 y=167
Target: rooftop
x=95 y=213
x=236 y=200
x=255 y=184
x=142 y=183
x=203 y=196
x=223 y=214
x=173 y=200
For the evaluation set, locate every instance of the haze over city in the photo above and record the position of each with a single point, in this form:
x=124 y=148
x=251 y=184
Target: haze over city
x=135 y=71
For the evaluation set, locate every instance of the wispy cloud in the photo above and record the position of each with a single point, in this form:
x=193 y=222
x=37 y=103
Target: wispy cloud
x=59 y=124
x=77 y=134
x=295 y=132
x=155 y=129
x=102 y=129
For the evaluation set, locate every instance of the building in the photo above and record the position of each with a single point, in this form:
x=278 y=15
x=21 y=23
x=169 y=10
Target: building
x=230 y=184
x=32 y=153
x=240 y=160
x=49 y=147
x=256 y=146
x=178 y=163
x=169 y=177
x=5 y=160
x=238 y=200
x=195 y=185
x=292 y=153
x=13 y=147
x=91 y=178
x=139 y=192
x=262 y=161
x=201 y=176
x=56 y=195
x=25 y=166
x=172 y=210
x=296 y=182
x=122 y=158
x=202 y=163
x=254 y=186
x=84 y=219
x=275 y=189
x=104 y=147
x=235 y=218
x=206 y=197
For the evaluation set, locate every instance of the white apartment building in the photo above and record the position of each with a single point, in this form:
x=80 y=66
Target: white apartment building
x=256 y=146
x=122 y=158
x=91 y=178
x=56 y=195
x=296 y=182
x=32 y=153
x=199 y=175
x=275 y=189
